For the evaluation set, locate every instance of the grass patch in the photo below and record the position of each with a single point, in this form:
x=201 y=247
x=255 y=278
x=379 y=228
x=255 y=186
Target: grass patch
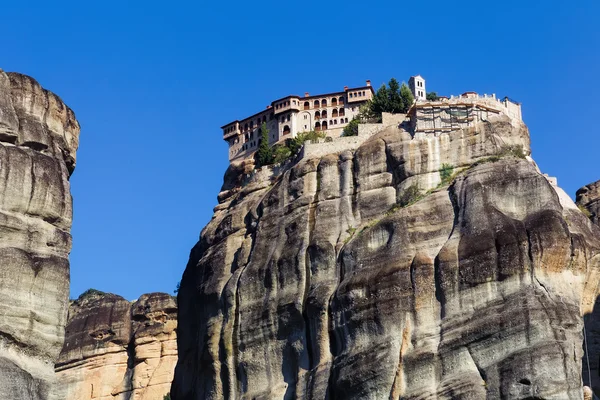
x=515 y=150
x=585 y=211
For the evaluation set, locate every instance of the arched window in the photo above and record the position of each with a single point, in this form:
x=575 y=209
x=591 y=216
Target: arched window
x=334 y=113
x=251 y=124
x=324 y=103
x=317 y=114
x=324 y=114
x=246 y=127
x=342 y=112
x=324 y=125
x=316 y=103
x=306 y=105
x=286 y=130
x=341 y=100
x=317 y=126
x=334 y=102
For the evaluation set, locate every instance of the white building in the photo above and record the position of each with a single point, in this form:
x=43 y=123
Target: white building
x=288 y=116
x=417 y=87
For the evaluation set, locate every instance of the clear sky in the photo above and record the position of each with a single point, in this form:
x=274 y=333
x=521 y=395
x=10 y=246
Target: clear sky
x=152 y=82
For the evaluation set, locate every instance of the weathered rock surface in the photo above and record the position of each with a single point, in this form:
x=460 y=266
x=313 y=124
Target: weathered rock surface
x=588 y=197
x=115 y=349
x=311 y=282
x=38 y=140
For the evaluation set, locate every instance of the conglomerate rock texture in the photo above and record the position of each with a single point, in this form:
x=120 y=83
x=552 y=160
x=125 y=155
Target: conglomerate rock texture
x=38 y=139
x=313 y=282
x=118 y=350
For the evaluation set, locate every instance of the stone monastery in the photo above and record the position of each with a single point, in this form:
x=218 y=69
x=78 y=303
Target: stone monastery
x=331 y=112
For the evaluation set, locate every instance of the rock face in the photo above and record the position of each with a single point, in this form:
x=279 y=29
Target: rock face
x=118 y=350
x=329 y=279
x=588 y=197
x=38 y=141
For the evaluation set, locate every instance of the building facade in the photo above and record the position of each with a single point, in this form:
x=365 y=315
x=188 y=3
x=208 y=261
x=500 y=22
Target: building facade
x=417 y=87
x=288 y=116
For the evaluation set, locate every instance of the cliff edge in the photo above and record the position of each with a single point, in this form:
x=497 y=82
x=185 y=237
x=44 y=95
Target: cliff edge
x=445 y=266
x=39 y=136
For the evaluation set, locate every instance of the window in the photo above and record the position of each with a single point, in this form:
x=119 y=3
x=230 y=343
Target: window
x=317 y=126
x=341 y=100
x=364 y=93
x=335 y=121
x=342 y=112
x=324 y=125
x=316 y=103
x=350 y=95
x=317 y=114
x=334 y=102
x=324 y=103
x=324 y=114
x=305 y=127
x=306 y=105
x=288 y=118
x=286 y=130
x=305 y=116
x=346 y=119
x=334 y=113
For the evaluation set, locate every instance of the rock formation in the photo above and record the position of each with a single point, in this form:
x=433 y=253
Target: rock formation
x=332 y=278
x=115 y=349
x=588 y=198
x=38 y=140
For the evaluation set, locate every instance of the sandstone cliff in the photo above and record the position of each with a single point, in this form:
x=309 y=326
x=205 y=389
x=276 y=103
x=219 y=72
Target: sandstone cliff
x=328 y=278
x=38 y=140
x=588 y=197
x=115 y=349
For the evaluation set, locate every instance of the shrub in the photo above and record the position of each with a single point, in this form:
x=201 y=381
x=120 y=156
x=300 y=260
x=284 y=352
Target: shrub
x=446 y=173
x=410 y=195
x=281 y=154
x=432 y=96
x=167 y=396
x=328 y=139
x=352 y=128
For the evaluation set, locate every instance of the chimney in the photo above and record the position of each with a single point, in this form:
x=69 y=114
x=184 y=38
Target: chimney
x=345 y=88
x=306 y=94
x=368 y=82
x=269 y=106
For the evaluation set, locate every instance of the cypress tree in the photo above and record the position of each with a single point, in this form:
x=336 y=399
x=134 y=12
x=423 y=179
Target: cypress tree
x=264 y=155
x=407 y=97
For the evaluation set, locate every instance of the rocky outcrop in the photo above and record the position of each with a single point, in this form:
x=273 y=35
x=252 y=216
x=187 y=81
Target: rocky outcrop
x=38 y=141
x=115 y=349
x=330 y=278
x=588 y=198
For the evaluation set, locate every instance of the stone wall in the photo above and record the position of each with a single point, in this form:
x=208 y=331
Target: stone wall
x=39 y=136
x=117 y=350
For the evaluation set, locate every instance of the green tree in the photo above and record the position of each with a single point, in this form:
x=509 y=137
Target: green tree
x=396 y=102
x=407 y=97
x=432 y=96
x=381 y=101
x=264 y=155
x=177 y=287
x=281 y=153
x=167 y=396
x=352 y=128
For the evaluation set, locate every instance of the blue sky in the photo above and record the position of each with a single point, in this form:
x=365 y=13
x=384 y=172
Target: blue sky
x=152 y=82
